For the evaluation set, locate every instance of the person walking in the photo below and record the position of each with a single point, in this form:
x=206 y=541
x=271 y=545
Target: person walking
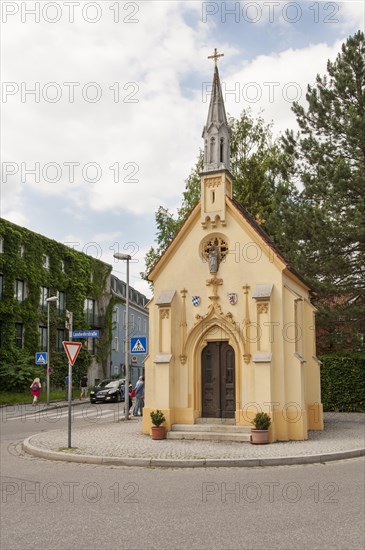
x=139 y=393
x=83 y=386
x=36 y=390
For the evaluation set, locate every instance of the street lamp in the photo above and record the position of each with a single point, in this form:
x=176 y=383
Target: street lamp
x=126 y=257
x=49 y=300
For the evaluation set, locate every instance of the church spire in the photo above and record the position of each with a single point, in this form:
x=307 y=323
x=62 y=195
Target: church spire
x=216 y=132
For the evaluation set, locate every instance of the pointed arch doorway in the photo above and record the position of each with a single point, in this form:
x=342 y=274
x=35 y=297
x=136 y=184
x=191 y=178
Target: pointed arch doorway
x=218 y=380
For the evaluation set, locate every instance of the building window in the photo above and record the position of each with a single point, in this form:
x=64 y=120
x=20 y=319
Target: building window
x=61 y=301
x=45 y=261
x=62 y=266
x=131 y=322
x=89 y=310
x=139 y=324
x=116 y=316
x=1 y=285
x=124 y=318
x=43 y=297
x=115 y=343
x=21 y=250
x=219 y=244
x=221 y=150
x=19 y=335
x=42 y=338
x=1 y=245
x=91 y=345
x=144 y=326
x=19 y=291
x=60 y=339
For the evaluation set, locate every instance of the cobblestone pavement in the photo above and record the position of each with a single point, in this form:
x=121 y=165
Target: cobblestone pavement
x=343 y=432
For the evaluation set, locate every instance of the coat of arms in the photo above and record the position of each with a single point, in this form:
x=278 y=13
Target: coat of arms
x=195 y=300
x=232 y=298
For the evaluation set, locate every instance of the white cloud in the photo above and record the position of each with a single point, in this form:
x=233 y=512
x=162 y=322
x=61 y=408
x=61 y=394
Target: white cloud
x=160 y=62
x=272 y=82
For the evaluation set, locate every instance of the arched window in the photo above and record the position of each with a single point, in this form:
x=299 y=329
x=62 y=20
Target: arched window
x=221 y=150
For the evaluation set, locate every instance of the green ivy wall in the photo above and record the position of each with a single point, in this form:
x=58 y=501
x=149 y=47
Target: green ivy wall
x=83 y=277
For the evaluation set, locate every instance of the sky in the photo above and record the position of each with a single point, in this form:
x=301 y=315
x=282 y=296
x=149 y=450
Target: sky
x=103 y=104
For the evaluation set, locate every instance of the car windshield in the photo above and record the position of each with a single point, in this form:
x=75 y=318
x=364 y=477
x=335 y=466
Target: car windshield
x=113 y=384
x=103 y=383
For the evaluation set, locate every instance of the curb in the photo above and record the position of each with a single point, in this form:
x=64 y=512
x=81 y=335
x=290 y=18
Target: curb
x=192 y=463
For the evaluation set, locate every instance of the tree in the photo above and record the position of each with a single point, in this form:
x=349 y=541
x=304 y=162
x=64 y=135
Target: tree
x=262 y=171
x=331 y=161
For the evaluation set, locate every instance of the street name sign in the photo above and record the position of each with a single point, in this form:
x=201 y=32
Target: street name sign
x=138 y=345
x=85 y=333
x=72 y=350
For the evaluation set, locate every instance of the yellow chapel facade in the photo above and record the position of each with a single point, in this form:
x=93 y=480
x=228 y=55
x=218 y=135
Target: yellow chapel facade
x=232 y=327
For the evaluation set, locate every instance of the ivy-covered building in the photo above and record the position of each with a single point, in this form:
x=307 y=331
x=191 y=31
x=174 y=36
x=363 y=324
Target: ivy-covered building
x=34 y=268
x=138 y=328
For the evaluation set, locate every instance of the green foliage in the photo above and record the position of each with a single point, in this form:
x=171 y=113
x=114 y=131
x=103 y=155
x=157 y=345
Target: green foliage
x=157 y=418
x=14 y=398
x=331 y=161
x=82 y=277
x=261 y=421
x=343 y=382
x=19 y=373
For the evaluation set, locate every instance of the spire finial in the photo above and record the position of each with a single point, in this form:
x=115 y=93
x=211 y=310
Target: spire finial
x=215 y=56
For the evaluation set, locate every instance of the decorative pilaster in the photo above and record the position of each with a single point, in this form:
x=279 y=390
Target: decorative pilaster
x=246 y=326
x=183 y=326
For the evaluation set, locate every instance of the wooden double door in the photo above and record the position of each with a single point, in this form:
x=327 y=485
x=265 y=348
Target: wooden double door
x=218 y=380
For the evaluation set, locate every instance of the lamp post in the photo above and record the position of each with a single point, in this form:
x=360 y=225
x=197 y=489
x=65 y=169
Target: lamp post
x=49 y=300
x=126 y=257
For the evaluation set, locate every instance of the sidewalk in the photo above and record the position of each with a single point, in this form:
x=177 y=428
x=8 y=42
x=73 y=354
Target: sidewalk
x=122 y=443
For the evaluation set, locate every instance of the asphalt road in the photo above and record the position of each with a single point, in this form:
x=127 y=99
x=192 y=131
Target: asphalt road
x=55 y=505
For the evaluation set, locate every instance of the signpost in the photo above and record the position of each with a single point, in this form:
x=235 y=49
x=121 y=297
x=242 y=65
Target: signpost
x=138 y=345
x=72 y=350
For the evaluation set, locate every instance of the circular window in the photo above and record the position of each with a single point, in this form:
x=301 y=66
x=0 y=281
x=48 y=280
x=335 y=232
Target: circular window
x=217 y=242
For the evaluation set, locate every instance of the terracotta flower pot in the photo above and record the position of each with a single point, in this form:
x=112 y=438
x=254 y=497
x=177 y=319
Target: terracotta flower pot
x=158 y=432
x=259 y=437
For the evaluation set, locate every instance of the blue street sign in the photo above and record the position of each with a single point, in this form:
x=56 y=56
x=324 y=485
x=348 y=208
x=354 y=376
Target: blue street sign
x=85 y=333
x=138 y=345
x=41 y=358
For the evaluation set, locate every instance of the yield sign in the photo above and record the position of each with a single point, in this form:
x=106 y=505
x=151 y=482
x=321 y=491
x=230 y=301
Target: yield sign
x=72 y=349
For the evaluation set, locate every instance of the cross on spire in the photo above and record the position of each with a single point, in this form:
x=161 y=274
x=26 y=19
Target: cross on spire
x=215 y=56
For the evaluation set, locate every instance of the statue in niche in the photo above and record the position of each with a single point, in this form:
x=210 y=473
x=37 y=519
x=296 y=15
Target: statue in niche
x=213 y=258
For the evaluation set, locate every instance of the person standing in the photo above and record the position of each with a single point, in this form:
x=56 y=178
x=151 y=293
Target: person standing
x=139 y=389
x=83 y=386
x=36 y=390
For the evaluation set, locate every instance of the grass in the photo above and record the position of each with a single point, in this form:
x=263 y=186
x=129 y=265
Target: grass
x=11 y=398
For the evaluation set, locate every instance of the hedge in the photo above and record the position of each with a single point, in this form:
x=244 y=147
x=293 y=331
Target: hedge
x=343 y=382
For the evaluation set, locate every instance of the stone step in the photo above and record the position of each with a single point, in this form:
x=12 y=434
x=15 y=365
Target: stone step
x=208 y=427
x=223 y=421
x=209 y=436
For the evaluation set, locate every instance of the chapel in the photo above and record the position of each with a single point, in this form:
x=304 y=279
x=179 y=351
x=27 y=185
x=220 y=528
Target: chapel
x=232 y=327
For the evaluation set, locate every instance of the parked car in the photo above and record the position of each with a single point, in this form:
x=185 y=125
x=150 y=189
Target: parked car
x=107 y=391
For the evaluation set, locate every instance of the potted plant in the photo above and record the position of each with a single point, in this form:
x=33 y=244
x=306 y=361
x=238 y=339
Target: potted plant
x=260 y=433
x=158 y=418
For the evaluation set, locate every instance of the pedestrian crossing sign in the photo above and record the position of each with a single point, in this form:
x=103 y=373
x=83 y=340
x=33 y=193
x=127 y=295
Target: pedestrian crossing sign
x=138 y=345
x=41 y=358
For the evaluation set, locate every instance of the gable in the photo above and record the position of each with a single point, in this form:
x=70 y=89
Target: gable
x=246 y=240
